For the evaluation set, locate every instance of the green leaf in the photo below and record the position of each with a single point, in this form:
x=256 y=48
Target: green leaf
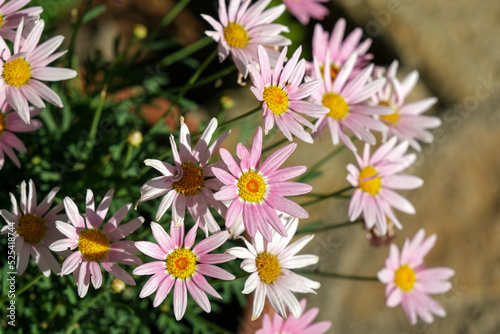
x=93 y=13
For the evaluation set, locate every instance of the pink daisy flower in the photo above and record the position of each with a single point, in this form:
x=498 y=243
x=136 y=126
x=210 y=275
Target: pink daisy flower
x=33 y=227
x=281 y=92
x=406 y=121
x=410 y=283
x=336 y=50
x=11 y=123
x=11 y=15
x=190 y=182
x=374 y=180
x=345 y=99
x=243 y=27
x=304 y=10
x=182 y=266
x=295 y=326
x=269 y=265
x=95 y=245
x=257 y=191
x=23 y=70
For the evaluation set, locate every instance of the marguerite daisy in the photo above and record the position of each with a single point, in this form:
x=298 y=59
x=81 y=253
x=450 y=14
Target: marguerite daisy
x=181 y=267
x=269 y=265
x=95 y=245
x=257 y=191
x=243 y=27
x=410 y=283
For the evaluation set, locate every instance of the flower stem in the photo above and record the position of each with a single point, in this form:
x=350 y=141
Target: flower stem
x=319 y=198
x=97 y=117
x=341 y=276
x=320 y=163
x=195 y=318
x=184 y=52
x=327 y=228
x=206 y=80
x=278 y=143
x=24 y=288
x=81 y=310
x=167 y=19
x=254 y=110
x=74 y=32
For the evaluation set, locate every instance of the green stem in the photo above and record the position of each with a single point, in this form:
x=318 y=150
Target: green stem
x=320 y=163
x=184 y=52
x=128 y=157
x=155 y=32
x=206 y=80
x=341 y=276
x=241 y=116
x=197 y=74
x=195 y=318
x=278 y=143
x=97 y=117
x=327 y=228
x=24 y=288
x=82 y=310
x=323 y=197
x=74 y=31
x=184 y=90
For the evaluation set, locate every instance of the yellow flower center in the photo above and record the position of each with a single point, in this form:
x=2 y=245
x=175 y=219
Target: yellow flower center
x=2 y=123
x=236 y=35
x=369 y=181
x=192 y=180
x=268 y=267
x=17 y=72
x=31 y=228
x=405 y=278
x=1 y=20
x=252 y=187
x=276 y=99
x=391 y=118
x=93 y=244
x=181 y=263
x=337 y=105
x=334 y=71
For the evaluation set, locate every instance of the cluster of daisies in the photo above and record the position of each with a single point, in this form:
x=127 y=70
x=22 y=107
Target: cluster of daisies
x=340 y=89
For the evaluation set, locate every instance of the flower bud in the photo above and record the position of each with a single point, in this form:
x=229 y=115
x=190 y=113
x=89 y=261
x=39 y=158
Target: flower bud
x=134 y=138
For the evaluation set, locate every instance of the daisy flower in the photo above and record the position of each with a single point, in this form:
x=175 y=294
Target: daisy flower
x=269 y=265
x=337 y=50
x=374 y=180
x=11 y=123
x=406 y=121
x=95 y=245
x=23 y=70
x=257 y=191
x=11 y=15
x=181 y=267
x=33 y=227
x=304 y=10
x=281 y=92
x=295 y=326
x=410 y=283
x=345 y=99
x=190 y=182
x=243 y=27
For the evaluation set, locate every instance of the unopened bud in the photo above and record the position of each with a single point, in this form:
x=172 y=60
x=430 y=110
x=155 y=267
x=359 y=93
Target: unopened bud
x=227 y=102
x=134 y=138
x=117 y=286
x=140 y=31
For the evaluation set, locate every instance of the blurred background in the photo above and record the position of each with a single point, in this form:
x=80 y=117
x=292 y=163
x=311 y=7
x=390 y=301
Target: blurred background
x=454 y=46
